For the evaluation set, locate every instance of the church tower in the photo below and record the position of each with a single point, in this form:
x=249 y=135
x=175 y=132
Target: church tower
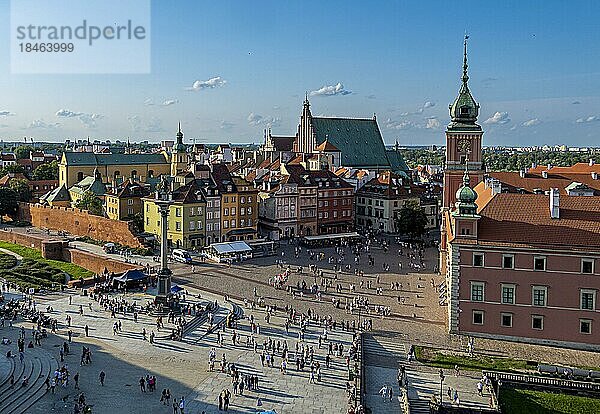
x=305 y=139
x=179 y=156
x=463 y=140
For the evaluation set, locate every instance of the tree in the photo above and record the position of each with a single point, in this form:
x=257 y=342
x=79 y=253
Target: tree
x=21 y=188
x=412 y=219
x=22 y=151
x=8 y=202
x=46 y=172
x=91 y=203
x=14 y=169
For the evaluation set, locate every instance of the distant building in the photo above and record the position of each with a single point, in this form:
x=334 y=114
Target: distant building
x=380 y=200
x=125 y=200
x=358 y=140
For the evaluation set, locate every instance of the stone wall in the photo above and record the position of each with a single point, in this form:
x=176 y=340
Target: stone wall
x=79 y=223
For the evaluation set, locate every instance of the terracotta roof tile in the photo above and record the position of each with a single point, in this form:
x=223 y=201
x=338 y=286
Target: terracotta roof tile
x=525 y=218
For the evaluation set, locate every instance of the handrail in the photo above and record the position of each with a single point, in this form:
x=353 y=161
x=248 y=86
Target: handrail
x=539 y=380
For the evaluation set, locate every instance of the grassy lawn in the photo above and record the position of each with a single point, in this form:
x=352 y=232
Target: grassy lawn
x=521 y=401
x=29 y=253
x=435 y=358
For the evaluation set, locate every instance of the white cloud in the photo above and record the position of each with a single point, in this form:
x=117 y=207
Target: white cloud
x=6 y=113
x=420 y=110
x=432 y=123
x=41 y=124
x=498 y=118
x=257 y=120
x=331 y=90
x=137 y=124
x=88 y=120
x=226 y=125
x=154 y=125
x=211 y=83
x=398 y=125
x=592 y=118
x=169 y=102
x=532 y=122
x=149 y=102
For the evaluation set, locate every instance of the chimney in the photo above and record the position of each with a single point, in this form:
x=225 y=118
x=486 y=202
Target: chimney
x=544 y=174
x=594 y=175
x=522 y=173
x=496 y=187
x=591 y=162
x=554 y=203
x=549 y=167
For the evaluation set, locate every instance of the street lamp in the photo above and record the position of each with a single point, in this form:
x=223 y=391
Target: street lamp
x=441 y=386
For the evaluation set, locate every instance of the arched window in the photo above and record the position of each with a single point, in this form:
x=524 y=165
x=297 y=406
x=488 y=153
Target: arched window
x=150 y=173
x=79 y=176
x=117 y=174
x=134 y=173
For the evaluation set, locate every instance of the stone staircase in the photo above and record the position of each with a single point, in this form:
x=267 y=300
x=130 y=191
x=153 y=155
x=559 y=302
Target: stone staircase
x=383 y=351
x=196 y=334
x=37 y=366
x=418 y=406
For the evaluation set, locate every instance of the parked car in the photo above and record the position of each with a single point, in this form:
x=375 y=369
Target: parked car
x=109 y=248
x=181 y=255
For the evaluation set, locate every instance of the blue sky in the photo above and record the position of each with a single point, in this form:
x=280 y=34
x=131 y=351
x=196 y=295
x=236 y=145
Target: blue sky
x=533 y=65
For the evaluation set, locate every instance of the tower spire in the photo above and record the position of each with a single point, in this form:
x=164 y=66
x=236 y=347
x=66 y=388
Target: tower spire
x=465 y=76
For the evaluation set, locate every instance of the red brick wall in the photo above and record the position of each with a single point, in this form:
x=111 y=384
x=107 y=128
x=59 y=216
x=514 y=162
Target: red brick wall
x=86 y=260
x=80 y=223
x=95 y=263
x=22 y=239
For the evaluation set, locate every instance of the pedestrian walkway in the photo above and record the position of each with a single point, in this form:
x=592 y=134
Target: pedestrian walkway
x=382 y=357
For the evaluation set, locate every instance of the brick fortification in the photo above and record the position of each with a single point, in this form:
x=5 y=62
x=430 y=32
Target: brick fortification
x=79 y=223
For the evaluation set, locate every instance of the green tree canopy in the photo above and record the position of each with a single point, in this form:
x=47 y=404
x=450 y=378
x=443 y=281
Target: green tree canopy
x=8 y=202
x=22 y=151
x=11 y=169
x=21 y=188
x=46 y=172
x=91 y=203
x=412 y=220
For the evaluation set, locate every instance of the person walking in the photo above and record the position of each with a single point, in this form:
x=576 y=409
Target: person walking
x=102 y=376
x=87 y=332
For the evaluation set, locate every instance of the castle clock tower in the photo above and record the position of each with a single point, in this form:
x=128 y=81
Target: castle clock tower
x=463 y=140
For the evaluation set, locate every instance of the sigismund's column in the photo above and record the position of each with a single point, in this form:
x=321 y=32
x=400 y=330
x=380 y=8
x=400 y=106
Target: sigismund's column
x=164 y=200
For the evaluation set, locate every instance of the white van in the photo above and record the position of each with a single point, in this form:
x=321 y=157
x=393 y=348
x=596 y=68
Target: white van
x=181 y=255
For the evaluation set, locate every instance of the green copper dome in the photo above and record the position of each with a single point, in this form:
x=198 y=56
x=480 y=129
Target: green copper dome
x=465 y=198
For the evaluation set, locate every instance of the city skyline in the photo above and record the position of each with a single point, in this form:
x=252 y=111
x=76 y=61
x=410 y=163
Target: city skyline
x=227 y=72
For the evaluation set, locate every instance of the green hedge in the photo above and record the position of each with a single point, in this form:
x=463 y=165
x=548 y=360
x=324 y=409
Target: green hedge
x=7 y=261
x=75 y=271
x=434 y=358
x=522 y=401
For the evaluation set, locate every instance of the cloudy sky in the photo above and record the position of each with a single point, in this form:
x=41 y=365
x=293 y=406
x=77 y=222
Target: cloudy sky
x=229 y=69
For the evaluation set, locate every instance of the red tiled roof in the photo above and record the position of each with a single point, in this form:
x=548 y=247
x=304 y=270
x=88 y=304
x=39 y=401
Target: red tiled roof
x=525 y=218
x=327 y=146
x=513 y=181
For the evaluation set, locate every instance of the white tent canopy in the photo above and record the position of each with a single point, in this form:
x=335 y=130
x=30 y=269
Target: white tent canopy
x=231 y=247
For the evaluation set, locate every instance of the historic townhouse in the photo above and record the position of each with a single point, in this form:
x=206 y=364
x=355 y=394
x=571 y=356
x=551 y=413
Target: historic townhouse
x=379 y=201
